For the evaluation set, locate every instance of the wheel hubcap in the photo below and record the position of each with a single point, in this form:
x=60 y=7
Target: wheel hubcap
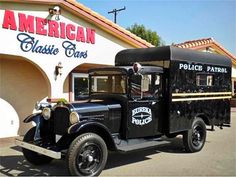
x=89 y=159
x=197 y=136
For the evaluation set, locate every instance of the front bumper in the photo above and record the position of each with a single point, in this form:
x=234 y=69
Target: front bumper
x=53 y=154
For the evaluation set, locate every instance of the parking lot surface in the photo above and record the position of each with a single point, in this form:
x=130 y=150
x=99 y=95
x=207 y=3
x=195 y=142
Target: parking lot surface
x=217 y=158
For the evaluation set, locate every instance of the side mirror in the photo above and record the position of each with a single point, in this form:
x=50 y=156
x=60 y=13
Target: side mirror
x=145 y=83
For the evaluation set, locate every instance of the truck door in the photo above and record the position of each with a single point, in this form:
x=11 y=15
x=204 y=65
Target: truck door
x=144 y=107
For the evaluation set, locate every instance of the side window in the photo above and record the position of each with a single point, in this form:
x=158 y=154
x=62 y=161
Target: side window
x=204 y=80
x=210 y=80
x=135 y=82
x=153 y=89
x=157 y=87
x=135 y=85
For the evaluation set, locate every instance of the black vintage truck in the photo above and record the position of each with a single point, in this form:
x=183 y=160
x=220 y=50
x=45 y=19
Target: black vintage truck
x=148 y=94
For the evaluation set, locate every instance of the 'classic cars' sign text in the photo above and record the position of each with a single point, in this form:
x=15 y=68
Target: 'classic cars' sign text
x=40 y=26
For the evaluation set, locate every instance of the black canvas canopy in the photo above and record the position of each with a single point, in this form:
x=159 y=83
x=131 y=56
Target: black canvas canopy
x=171 y=53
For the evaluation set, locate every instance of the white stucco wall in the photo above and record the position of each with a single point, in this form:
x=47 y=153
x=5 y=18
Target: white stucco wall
x=233 y=74
x=27 y=77
x=102 y=52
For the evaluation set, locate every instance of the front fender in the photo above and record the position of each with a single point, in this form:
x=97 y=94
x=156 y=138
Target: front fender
x=37 y=119
x=32 y=117
x=94 y=127
x=85 y=125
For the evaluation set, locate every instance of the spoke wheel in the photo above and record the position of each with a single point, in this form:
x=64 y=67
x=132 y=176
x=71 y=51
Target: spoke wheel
x=89 y=158
x=197 y=136
x=194 y=139
x=87 y=155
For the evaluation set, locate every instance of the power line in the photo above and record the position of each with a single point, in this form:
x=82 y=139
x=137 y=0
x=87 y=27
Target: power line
x=115 y=12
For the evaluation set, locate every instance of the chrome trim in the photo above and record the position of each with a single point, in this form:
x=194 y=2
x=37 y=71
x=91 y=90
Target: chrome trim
x=201 y=98
x=201 y=94
x=19 y=142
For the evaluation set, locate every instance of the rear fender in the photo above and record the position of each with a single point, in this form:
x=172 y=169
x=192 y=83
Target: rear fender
x=205 y=118
x=94 y=127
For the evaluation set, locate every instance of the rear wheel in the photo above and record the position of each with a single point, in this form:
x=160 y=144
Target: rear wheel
x=194 y=139
x=87 y=155
x=31 y=156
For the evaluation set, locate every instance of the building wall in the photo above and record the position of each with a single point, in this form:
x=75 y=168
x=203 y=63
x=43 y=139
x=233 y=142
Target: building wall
x=233 y=100
x=27 y=77
x=102 y=52
x=66 y=88
x=233 y=71
x=22 y=85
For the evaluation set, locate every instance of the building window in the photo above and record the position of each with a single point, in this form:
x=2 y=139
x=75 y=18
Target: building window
x=204 y=80
x=80 y=86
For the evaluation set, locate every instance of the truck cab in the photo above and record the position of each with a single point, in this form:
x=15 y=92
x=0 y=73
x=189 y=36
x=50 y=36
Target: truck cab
x=149 y=94
x=138 y=92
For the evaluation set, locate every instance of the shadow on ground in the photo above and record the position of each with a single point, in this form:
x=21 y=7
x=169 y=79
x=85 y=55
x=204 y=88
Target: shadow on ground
x=17 y=165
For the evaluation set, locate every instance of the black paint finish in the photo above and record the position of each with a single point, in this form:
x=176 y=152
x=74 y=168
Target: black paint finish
x=214 y=111
x=181 y=67
x=169 y=108
x=168 y=53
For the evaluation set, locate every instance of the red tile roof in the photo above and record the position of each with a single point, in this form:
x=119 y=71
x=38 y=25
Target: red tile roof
x=108 y=23
x=204 y=43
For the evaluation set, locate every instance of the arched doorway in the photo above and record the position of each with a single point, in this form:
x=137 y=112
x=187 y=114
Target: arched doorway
x=9 y=119
x=22 y=84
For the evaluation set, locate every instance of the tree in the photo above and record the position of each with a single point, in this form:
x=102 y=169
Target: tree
x=146 y=34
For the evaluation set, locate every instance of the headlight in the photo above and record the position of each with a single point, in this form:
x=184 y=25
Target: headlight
x=46 y=113
x=74 y=118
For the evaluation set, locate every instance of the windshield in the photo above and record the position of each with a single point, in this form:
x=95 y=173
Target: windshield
x=109 y=82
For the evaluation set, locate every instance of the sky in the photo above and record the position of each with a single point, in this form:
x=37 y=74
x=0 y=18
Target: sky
x=176 y=21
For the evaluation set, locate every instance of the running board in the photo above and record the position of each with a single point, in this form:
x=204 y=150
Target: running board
x=40 y=150
x=135 y=144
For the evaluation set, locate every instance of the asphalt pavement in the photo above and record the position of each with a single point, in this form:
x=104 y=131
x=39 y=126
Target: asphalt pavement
x=217 y=158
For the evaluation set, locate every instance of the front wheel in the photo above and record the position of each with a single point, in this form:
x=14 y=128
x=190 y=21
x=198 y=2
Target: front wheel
x=87 y=155
x=31 y=156
x=194 y=139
